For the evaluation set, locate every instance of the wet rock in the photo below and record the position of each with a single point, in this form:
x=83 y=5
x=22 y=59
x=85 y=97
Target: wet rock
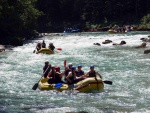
x=121 y=43
x=107 y=41
x=147 y=51
x=97 y=44
x=143 y=45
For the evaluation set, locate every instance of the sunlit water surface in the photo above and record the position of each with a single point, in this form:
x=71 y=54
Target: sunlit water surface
x=126 y=66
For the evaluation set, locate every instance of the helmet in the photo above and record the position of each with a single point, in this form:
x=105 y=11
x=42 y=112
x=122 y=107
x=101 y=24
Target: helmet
x=69 y=64
x=92 y=66
x=53 y=66
x=79 y=66
x=46 y=62
x=57 y=68
x=73 y=67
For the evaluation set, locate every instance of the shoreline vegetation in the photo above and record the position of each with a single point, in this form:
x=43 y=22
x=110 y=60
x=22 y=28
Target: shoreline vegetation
x=25 y=20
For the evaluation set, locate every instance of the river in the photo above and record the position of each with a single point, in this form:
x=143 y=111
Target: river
x=126 y=66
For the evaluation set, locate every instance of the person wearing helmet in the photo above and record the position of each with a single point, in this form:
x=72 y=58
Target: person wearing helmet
x=54 y=75
x=92 y=72
x=70 y=66
x=51 y=75
x=58 y=75
x=72 y=76
x=80 y=72
x=57 y=69
x=46 y=69
x=67 y=70
x=51 y=47
x=38 y=46
x=43 y=44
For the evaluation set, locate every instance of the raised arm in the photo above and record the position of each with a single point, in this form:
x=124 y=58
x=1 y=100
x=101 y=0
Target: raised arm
x=86 y=75
x=49 y=75
x=68 y=77
x=99 y=75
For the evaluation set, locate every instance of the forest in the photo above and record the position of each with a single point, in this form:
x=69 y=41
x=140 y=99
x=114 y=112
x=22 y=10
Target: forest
x=23 y=19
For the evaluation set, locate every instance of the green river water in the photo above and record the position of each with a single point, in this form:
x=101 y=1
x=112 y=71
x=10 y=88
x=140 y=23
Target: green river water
x=127 y=67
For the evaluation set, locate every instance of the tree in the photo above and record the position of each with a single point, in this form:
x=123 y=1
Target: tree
x=17 y=20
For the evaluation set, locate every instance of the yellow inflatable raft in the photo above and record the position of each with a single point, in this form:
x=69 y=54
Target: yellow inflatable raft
x=114 y=32
x=47 y=51
x=86 y=85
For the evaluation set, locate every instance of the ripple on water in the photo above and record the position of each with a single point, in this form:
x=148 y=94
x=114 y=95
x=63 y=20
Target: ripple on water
x=126 y=66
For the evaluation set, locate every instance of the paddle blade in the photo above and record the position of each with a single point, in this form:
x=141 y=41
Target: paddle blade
x=59 y=49
x=35 y=86
x=65 y=62
x=108 y=82
x=34 y=51
x=58 y=85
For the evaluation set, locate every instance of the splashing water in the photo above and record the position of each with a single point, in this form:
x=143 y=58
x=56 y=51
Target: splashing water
x=125 y=65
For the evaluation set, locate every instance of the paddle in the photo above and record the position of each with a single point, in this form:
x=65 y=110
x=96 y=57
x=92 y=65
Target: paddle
x=63 y=77
x=58 y=85
x=108 y=82
x=59 y=49
x=36 y=84
x=65 y=62
x=97 y=82
x=34 y=51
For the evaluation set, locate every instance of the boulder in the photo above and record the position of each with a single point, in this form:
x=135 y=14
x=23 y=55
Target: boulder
x=107 y=41
x=147 y=51
x=97 y=44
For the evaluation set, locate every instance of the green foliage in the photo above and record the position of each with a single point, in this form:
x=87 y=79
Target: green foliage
x=145 y=22
x=146 y=19
x=104 y=12
x=17 y=19
x=23 y=18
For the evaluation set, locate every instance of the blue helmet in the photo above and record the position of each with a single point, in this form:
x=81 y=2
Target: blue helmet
x=73 y=67
x=92 y=66
x=79 y=66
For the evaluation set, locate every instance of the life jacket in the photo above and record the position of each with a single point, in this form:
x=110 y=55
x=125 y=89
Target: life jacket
x=79 y=73
x=57 y=78
x=43 y=45
x=92 y=74
x=67 y=72
x=73 y=76
x=53 y=75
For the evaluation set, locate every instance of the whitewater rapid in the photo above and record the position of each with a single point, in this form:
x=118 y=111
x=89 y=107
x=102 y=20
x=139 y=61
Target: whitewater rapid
x=125 y=65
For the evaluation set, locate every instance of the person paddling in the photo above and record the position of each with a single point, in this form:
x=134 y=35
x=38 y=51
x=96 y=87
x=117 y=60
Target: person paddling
x=80 y=72
x=66 y=72
x=38 y=46
x=92 y=73
x=43 y=44
x=58 y=75
x=51 y=47
x=46 y=69
x=51 y=75
x=72 y=76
